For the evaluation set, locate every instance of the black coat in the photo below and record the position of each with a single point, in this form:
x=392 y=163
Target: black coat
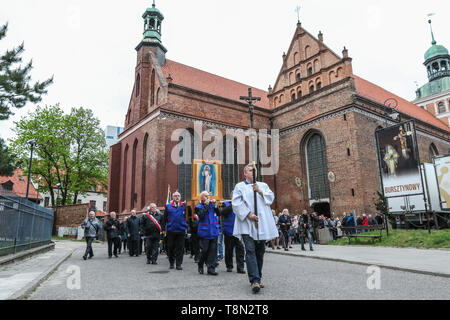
x=133 y=226
x=304 y=219
x=284 y=219
x=111 y=232
x=193 y=222
x=149 y=228
x=379 y=220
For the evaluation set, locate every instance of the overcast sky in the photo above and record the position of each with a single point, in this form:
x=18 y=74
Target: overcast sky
x=89 y=45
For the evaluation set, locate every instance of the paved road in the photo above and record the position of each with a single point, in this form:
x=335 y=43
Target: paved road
x=285 y=277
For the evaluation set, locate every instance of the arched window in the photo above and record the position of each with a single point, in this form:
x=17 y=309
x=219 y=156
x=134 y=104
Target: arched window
x=435 y=67
x=296 y=58
x=332 y=76
x=158 y=98
x=299 y=93
x=311 y=88
x=230 y=167
x=144 y=170
x=133 y=195
x=433 y=152
x=307 y=51
x=441 y=107
x=152 y=88
x=339 y=72
x=185 y=170
x=317 y=170
x=443 y=65
x=124 y=177
x=319 y=85
x=310 y=71
x=298 y=76
x=138 y=85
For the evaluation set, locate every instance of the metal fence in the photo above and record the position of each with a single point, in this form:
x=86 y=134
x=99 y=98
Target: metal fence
x=23 y=224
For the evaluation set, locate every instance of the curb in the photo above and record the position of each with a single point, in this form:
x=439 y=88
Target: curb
x=29 y=288
x=26 y=254
x=430 y=273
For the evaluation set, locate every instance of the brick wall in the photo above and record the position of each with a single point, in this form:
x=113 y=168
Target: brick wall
x=71 y=215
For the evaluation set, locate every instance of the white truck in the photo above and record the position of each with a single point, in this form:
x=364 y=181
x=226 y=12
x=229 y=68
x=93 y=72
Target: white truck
x=415 y=210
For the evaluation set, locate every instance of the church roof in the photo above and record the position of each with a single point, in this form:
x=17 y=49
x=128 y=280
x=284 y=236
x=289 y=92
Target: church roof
x=210 y=83
x=372 y=91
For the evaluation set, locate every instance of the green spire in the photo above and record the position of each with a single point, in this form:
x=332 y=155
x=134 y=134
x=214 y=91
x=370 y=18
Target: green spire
x=433 y=42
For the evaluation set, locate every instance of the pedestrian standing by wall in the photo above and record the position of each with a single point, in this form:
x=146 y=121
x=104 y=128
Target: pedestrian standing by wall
x=91 y=227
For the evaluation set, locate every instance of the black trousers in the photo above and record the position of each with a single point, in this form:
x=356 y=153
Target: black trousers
x=195 y=248
x=175 y=247
x=133 y=247
x=89 y=250
x=231 y=243
x=152 y=248
x=119 y=247
x=113 y=242
x=208 y=252
x=124 y=244
x=286 y=238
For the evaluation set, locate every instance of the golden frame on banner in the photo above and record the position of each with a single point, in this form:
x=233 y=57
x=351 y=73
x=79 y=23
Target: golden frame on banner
x=206 y=174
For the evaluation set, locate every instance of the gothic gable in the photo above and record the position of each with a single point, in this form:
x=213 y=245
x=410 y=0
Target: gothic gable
x=308 y=66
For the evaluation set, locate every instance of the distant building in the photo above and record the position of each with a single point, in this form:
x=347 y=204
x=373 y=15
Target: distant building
x=435 y=95
x=112 y=135
x=95 y=198
x=16 y=186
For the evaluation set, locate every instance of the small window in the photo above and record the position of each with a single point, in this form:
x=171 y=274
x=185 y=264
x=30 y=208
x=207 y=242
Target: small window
x=348 y=152
x=441 y=107
x=310 y=71
x=8 y=185
x=104 y=206
x=345 y=117
x=353 y=192
x=92 y=203
x=298 y=77
x=46 y=201
x=319 y=86
x=293 y=97
x=311 y=89
x=79 y=201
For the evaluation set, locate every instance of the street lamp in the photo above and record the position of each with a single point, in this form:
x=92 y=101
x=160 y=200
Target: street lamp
x=32 y=143
x=57 y=194
x=392 y=104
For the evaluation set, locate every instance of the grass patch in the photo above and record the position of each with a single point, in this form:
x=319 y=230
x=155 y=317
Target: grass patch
x=402 y=239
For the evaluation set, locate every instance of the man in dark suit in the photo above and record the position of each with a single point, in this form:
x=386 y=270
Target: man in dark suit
x=112 y=228
x=133 y=225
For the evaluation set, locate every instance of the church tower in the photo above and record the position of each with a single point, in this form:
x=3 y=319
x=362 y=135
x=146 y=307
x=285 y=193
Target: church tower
x=435 y=95
x=153 y=19
x=151 y=56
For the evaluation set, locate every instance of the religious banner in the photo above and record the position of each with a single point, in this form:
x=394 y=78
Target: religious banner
x=442 y=167
x=207 y=176
x=399 y=161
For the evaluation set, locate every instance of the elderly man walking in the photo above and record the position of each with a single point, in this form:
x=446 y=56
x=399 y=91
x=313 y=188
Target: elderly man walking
x=91 y=227
x=133 y=226
x=254 y=230
x=112 y=228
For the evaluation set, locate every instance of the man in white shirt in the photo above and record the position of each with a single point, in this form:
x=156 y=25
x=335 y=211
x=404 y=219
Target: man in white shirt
x=253 y=237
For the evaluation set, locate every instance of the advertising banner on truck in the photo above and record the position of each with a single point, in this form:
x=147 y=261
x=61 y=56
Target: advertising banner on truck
x=442 y=167
x=399 y=161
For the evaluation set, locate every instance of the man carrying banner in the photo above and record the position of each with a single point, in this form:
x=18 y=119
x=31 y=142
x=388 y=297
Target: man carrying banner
x=254 y=227
x=151 y=225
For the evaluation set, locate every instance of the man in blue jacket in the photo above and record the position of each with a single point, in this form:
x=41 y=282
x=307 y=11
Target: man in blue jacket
x=175 y=221
x=208 y=231
x=231 y=242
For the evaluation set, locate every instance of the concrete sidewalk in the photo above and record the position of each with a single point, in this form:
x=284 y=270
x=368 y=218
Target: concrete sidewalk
x=20 y=278
x=426 y=261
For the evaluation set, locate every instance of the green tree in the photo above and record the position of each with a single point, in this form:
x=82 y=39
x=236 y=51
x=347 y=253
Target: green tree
x=70 y=150
x=15 y=87
x=7 y=164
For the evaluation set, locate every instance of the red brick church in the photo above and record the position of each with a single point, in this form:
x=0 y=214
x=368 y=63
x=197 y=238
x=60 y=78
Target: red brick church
x=326 y=117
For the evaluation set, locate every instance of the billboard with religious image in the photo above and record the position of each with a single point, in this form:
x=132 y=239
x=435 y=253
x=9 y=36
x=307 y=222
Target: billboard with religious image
x=206 y=176
x=442 y=167
x=399 y=161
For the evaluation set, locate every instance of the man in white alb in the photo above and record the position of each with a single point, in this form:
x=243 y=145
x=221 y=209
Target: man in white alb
x=253 y=237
